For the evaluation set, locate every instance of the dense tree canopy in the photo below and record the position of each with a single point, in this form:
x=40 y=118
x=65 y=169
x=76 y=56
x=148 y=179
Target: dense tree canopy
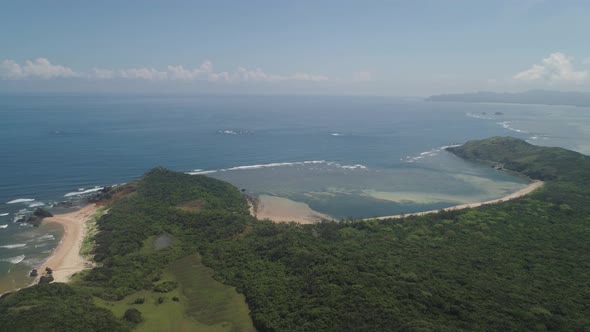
x=518 y=265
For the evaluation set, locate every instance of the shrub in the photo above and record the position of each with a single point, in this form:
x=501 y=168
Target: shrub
x=165 y=287
x=133 y=316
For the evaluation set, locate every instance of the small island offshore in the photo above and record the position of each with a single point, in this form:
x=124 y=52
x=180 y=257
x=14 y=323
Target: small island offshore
x=178 y=252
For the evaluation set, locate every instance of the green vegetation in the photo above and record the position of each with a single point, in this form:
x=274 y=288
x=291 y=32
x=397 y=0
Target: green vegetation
x=133 y=316
x=54 y=307
x=518 y=265
x=91 y=230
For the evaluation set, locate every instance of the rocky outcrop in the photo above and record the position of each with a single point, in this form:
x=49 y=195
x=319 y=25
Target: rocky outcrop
x=42 y=213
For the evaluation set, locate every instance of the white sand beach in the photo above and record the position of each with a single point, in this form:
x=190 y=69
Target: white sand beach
x=279 y=209
x=524 y=191
x=66 y=259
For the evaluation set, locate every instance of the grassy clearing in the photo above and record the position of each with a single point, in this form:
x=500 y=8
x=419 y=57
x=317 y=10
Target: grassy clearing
x=205 y=304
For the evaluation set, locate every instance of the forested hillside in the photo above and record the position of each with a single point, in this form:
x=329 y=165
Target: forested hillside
x=518 y=265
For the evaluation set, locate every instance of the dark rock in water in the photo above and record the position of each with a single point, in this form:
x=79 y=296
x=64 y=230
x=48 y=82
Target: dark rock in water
x=104 y=193
x=42 y=213
x=33 y=273
x=64 y=204
x=29 y=219
x=34 y=220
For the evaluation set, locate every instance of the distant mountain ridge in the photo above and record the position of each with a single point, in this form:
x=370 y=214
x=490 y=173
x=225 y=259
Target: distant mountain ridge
x=544 y=97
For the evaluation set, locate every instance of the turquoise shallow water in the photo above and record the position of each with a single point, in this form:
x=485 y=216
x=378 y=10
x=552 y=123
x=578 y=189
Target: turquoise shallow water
x=344 y=156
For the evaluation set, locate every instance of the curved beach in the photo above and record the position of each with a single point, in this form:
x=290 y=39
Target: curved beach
x=524 y=191
x=280 y=209
x=66 y=259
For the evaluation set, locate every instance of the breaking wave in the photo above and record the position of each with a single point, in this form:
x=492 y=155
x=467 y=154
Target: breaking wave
x=478 y=116
x=36 y=204
x=20 y=200
x=296 y=163
x=14 y=260
x=235 y=132
x=13 y=246
x=4 y=214
x=46 y=237
x=3 y=226
x=84 y=192
x=429 y=153
x=506 y=125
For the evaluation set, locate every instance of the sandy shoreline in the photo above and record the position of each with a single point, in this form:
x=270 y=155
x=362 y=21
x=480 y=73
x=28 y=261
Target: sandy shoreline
x=280 y=209
x=524 y=191
x=66 y=259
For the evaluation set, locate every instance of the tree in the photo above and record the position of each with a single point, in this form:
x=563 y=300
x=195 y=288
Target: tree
x=133 y=316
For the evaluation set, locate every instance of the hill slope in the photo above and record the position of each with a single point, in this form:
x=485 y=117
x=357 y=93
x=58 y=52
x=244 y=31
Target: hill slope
x=518 y=265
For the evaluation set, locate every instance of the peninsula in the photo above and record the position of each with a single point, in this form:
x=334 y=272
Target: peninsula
x=183 y=252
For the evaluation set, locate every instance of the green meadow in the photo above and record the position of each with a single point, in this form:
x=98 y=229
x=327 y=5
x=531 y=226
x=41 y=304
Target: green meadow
x=204 y=303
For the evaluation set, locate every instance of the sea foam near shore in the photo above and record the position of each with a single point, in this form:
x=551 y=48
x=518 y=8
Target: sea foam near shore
x=20 y=200
x=14 y=260
x=14 y=246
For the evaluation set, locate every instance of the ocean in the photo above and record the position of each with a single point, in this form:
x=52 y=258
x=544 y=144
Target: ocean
x=348 y=157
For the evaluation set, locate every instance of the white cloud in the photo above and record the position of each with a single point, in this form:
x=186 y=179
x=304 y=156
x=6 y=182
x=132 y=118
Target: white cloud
x=536 y=72
x=149 y=74
x=557 y=67
x=180 y=73
x=206 y=72
x=10 y=70
x=41 y=68
x=103 y=74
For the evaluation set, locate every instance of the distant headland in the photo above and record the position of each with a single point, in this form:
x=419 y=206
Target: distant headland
x=540 y=97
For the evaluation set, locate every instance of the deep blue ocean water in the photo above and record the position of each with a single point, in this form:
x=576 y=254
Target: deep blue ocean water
x=344 y=156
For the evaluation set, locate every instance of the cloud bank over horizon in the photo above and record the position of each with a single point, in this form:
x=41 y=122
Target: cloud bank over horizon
x=43 y=69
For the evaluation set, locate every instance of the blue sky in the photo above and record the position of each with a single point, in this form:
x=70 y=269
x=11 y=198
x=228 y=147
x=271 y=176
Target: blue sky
x=399 y=48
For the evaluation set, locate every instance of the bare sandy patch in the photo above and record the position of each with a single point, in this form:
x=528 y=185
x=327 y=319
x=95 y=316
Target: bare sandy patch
x=279 y=209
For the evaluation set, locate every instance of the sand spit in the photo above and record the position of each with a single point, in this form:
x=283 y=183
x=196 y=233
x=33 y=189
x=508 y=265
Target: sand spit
x=526 y=190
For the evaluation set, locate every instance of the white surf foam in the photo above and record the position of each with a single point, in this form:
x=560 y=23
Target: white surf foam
x=14 y=260
x=3 y=226
x=235 y=132
x=478 y=116
x=35 y=204
x=429 y=153
x=269 y=165
x=506 y=125
x=84 y=192
x=21 y=200
x=237 y=168
x=46 y=237
x=4 y=214
x=34 y=262
x=336 y=134
x=13 y=246
x=196 y=172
